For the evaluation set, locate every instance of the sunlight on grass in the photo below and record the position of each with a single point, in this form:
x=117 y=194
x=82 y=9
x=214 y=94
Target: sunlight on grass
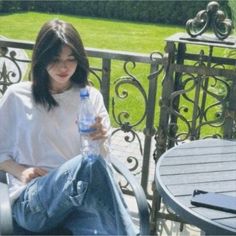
x=112 y=35
x=97 y=33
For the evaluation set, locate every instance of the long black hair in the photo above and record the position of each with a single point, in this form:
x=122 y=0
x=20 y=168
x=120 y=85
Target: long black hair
x=51 y=38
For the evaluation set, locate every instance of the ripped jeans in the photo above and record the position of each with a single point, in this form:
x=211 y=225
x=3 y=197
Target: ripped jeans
x=81 y=195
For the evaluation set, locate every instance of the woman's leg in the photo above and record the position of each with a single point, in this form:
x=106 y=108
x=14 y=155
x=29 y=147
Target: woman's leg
x=81 y=187
x=103 y=211
x=47 y=200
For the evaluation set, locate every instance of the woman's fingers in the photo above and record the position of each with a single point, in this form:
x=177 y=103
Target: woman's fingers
x=30 y=173
x=100 y=132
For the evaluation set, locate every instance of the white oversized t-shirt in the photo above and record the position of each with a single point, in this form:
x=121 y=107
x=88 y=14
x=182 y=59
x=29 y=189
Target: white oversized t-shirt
x=33 y=136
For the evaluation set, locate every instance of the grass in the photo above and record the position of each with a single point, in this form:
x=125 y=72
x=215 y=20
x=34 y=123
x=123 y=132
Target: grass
x=97 y=33
x=103 y=34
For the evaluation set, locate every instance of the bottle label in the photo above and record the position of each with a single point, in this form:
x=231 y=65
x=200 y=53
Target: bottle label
x=85 y=126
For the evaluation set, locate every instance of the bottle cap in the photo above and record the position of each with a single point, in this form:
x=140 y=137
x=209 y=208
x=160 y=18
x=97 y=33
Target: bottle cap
x=84 y=92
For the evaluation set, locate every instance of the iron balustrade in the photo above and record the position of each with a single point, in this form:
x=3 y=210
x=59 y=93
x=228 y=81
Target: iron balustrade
x=198 y=94
x=198 y=97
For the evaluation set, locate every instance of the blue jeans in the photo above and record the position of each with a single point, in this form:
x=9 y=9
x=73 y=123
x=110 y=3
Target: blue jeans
x=81 y=195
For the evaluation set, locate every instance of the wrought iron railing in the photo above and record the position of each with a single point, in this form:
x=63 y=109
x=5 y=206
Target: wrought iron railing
x=199 y=89
x=198 y=94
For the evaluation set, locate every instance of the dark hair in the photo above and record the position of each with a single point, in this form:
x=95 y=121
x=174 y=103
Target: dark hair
x=51 y=38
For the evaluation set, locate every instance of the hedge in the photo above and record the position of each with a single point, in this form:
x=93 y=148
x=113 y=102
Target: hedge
x=168 y=12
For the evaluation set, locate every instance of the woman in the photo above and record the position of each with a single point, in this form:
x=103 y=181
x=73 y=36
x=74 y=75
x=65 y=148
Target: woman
x=51 y=184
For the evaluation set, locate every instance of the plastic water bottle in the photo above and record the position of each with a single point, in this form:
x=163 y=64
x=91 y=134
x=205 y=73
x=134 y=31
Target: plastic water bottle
x=86 y=118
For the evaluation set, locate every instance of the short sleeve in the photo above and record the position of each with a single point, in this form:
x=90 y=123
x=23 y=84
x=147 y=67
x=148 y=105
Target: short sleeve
x=8 y=125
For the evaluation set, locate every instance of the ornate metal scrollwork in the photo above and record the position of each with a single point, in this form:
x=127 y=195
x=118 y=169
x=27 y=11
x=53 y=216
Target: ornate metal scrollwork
x=193 y=114
x=200 y=110
x=95 y=78
x=155 y=56
x=211 y=17
x=11 y=68
x=127 y=88
x=160 y=138
x=122 y=118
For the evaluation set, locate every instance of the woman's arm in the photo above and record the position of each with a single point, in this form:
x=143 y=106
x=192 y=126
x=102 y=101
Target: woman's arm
x=21 y=172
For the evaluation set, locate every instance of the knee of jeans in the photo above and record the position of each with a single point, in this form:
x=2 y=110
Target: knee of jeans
x=79 y=193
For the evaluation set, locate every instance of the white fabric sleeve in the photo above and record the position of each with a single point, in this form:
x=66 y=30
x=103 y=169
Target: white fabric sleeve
x=8 y=125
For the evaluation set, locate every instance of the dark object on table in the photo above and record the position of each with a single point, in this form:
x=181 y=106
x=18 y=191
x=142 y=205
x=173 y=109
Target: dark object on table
x=215 y=201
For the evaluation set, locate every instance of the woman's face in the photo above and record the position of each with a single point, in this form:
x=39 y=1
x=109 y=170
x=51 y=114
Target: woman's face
x=61 y=69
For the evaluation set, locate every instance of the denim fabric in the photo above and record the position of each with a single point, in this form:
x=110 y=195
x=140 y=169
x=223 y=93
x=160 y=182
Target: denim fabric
x=81 y=196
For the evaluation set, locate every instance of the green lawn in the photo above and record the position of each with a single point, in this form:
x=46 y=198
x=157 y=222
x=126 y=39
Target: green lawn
x=103 y=34
x=97 y=33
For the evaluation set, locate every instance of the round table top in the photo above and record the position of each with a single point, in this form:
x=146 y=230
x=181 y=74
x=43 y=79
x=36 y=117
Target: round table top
x=208 y=165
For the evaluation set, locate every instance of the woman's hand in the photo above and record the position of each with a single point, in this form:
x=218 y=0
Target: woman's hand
x=30 y=173
x=100 y=132
x=22 y=172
